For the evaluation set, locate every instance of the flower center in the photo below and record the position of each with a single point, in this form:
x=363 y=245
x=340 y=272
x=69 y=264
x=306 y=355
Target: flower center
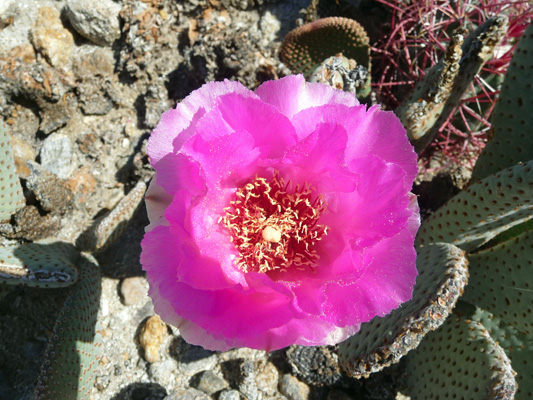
x=273 y=228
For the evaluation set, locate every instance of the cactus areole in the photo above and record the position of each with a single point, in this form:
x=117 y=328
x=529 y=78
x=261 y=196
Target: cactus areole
x=277 y=217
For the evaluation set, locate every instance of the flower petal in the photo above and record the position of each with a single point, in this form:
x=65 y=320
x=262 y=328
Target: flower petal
x=293 y=94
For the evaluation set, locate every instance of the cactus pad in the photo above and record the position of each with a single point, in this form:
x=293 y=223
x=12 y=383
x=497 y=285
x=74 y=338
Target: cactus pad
x=72 y=356
x=11 y=197
x=501 y=281
x=381 y=342
x=106 y=230
x=421 y=109
x=517 y=345
x=305 y=47
x=44 y=264
x=482 y=211
x=460 y=360
x=512 y=117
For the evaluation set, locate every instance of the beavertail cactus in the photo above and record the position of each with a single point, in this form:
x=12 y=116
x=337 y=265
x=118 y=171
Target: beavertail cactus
x=434 y=98
x=71 y=359
x=512 y=118
x=11 y=198
x=492 y=222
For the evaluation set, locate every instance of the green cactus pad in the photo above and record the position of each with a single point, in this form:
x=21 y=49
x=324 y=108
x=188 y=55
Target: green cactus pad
x=305 y=47
x=107 y=229
x=517 y=345
x=477 y=49
x=381 y=342
x=11 y=197
x=71 y=359
x=460 y=360
x=421 y=109
x=512 y=117
x=483 y=210
x=44 y=264
x=501 y=281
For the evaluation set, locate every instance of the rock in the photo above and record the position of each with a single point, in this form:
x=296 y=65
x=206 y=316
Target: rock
x=94 y=95
x=210 y=383
x=50 y=38
x=195 y=359
x=247 y=385
x=50 y=191
x=133 y=290
x=267 y=378
x=23 y=123
x=30 y=225
x=22 y=76
x=101 y=382
x=151 y=337
x=57 y=156
x=292 y=388
x=82 y=183
x=96 y=20
x=56 y=115
x=229 y=395
x=163 y=372
x=98 y=61
x=187 y=394
x=22 y=153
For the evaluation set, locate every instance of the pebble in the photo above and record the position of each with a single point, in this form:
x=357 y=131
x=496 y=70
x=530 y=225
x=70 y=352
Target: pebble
x=151 y=337
x=292 y=388
x=133 y=290
x=57 y=156
x=229 y=395
x=266 y=378
x=96 y=20
x=195 y=359
x=51 y=191
x=82 y=183
x=187 y=394
x=50 y=38
x=101 y=382
x=211 y=383
x=163 y=372
x=22 y=153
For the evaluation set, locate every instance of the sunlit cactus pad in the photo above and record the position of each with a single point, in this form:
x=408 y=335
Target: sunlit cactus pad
x=381 y=342
x=483 y=210
x=46 y=264
x=72 y=356
x=512 y=117
x=517 y=345
x=305 y=47
x=460 y=360
x=11 y=197
x=106 y=230
x=501 y=281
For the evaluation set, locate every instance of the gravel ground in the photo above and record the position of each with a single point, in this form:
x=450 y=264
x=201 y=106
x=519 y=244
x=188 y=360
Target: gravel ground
x=82 y=83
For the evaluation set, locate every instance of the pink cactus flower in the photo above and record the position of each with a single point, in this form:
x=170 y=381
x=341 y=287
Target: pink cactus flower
x=277 y=217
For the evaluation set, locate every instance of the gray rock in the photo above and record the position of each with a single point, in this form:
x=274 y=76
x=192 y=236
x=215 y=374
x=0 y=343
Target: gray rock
x=248 y=385
x=57 y=156
x=163 y=372
x=266 y=378
x=195 y=359
x=187 y=394
x=96 y=20
x=292 y=388
x=133 y=290
x=210 y=383
x=229 y=395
